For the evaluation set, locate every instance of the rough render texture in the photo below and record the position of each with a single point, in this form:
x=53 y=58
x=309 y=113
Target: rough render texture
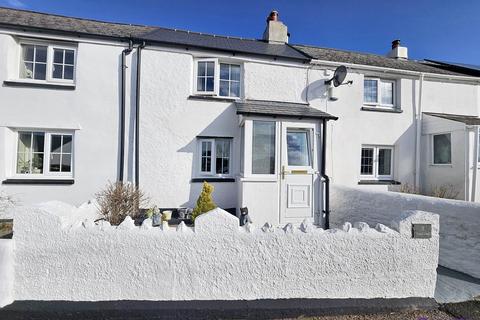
x=459 y=220
x=6 y=272
x=55 y=260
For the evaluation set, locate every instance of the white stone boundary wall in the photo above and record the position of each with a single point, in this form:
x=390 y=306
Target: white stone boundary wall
x=62 y=259
x=6 y=272
x=459 y=220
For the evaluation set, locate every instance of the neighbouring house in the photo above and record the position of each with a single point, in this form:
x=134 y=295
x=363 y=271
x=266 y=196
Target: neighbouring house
x=85 y=102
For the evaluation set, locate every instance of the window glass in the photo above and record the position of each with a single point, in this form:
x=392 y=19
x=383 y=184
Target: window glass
x=63 y=64
x=205 y=76
x=60 y=153
x=263 y=152
x=370 y=93
x=478 y=147
x=442 y=149
x=229 y=80
x=242 y=150
x=384 y=162
x=222 y=162
x=298 y=148
x=387 y=93
x=366 y=163
x=206 y=156
x=34 y=62
x=30 y=152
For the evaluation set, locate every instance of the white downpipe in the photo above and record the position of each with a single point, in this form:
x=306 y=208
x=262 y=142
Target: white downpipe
x=475 y=163
x=418 y=132
x=467 y=193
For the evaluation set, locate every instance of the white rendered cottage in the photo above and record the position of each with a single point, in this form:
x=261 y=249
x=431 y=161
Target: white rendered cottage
x=250 y=116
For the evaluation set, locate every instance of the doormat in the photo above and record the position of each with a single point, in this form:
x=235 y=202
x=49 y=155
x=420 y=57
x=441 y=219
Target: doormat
x=6 y=228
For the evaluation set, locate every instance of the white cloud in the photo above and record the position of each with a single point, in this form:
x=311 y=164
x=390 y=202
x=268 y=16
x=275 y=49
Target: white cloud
x=16 y=3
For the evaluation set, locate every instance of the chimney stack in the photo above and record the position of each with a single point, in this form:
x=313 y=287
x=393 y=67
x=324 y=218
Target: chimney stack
x=397 y=51
x=276 y=31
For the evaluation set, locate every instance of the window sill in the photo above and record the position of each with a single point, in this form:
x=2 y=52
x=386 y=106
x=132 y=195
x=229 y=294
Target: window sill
x=33 y=84
x=201 y=180
x=212 y=98
x=382 y=109
x=38 y=181
x=378 y=182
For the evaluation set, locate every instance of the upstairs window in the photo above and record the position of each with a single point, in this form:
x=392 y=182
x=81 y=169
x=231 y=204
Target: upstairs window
x=217 y=78
x=49 y=63
x=376 y=162
x=379 y=92
x=215 y=156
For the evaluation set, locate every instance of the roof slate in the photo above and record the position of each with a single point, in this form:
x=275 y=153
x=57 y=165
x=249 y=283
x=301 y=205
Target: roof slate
x=280 y=109
x=55 y=23
x=468 y=120
x=369 y=59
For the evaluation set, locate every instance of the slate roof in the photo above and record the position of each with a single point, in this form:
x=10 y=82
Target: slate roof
x=12 y=18
x=455 y=66
x=280 y=109
x=369 y=59
x=468 y=120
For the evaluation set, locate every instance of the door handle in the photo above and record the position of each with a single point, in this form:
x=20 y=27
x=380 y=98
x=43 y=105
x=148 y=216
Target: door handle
x=283 y=172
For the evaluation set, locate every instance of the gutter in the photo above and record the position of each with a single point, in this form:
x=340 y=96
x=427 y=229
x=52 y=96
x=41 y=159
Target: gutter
x=125 y=52
x=137 y=114
x=326 y=179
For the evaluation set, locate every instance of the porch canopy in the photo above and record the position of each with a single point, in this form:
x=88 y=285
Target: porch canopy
x=468 y=120
x=280 y=109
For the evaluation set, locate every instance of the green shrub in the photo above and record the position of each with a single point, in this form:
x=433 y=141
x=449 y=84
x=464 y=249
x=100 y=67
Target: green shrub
x=205 y=201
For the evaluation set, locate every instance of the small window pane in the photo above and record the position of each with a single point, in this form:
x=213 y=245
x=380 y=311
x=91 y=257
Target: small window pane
x=58 y=56
x=224 y=71
x=40 y=54
x=235 y=89
x=24 y=141
x=224 y=88
x=57 y=71
x=201 y=68
x=56 y=143
x=28 y=51
x=210 y=81
x=69 y=57
x=38 y=142
x=40 y=71
x=384 y=162
x=206 y=161
x=68 y=72
x=366 y=162
x=200 y=84
x=263 y=152
x=27 y=70
x=67 y=144
x=442 y=149
x=298 y=149
x=55 y=162
x=387 y=93
x=235 y=72
x=23 y=163
x=210 y=69
x=37 y=163
x=66 y=162
x=370 y=94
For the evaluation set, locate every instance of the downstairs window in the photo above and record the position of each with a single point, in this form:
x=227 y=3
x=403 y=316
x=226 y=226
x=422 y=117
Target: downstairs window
x=376 y=162
x=215 y=156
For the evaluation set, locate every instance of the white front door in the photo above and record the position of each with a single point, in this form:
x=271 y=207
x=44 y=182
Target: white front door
x=298 y=172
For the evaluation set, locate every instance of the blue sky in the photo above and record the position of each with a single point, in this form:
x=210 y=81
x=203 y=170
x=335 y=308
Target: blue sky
x=432 y=29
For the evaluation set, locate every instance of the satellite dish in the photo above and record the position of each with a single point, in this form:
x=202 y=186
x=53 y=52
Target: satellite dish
x=338 y=76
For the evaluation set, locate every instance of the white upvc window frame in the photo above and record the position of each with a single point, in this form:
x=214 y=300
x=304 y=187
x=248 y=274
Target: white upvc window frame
x=378 y=103
x=49 y=68
x=376 y=150
x=216 y=78
x=213 y=161
x=432 y=149
x=46 y=155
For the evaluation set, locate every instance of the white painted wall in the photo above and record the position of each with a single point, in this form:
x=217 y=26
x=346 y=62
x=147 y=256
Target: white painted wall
x=441 y=175
x=91 y=111
x=459 y=220
x=7 y=274
x=218 y=260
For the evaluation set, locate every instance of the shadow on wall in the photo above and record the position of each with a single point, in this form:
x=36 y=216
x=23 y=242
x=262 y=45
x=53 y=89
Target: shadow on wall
x=220 y=127
x=315 y=90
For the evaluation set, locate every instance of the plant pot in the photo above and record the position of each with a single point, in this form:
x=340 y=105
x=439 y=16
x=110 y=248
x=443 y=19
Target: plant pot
x=166 y=215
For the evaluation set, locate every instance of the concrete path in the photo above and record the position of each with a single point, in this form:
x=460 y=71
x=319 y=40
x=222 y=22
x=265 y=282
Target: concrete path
x=453 y=286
